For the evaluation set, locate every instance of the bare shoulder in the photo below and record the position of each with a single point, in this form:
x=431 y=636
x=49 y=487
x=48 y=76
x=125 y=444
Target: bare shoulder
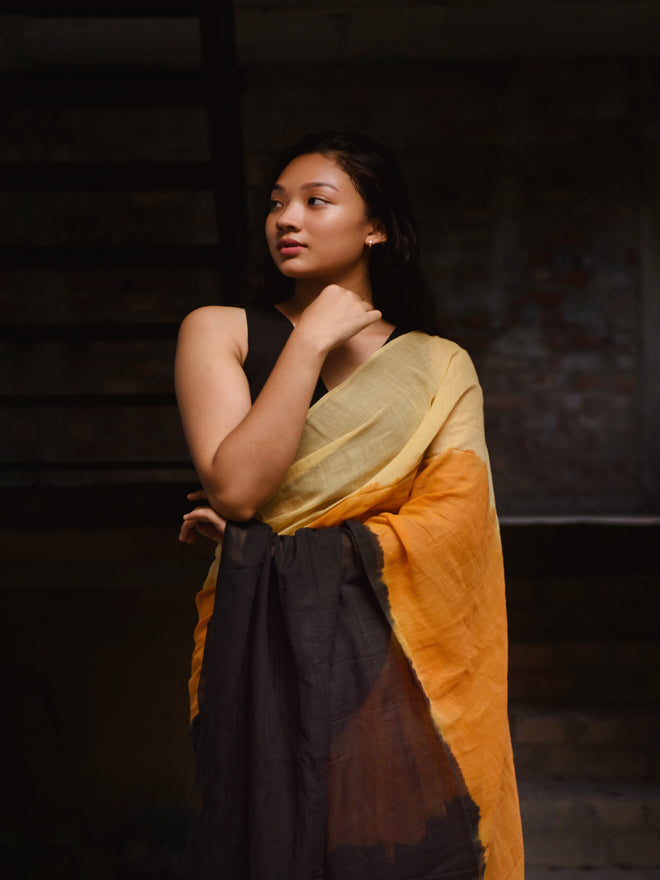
x=224 y=326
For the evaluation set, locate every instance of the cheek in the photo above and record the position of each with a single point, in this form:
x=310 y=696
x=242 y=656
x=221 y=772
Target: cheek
x=345 y=232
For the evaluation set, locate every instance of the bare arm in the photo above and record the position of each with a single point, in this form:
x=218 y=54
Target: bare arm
x=242 y=452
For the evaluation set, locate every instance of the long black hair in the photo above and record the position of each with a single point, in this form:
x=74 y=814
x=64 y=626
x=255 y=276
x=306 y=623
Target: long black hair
x=398 y=287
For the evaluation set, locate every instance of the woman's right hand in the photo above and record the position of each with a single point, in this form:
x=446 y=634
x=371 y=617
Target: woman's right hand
x=203 y=520
x=334 y=316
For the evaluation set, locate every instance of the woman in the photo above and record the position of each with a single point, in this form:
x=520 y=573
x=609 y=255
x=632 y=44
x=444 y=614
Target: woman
x=348 y=696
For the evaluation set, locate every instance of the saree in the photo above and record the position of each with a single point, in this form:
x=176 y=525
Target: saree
x=349 y=677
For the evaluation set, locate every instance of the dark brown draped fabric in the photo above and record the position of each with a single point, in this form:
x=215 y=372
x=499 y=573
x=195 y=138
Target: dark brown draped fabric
x=316 y=755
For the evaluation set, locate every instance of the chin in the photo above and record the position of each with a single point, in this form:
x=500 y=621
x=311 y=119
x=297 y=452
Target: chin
x=289 y=270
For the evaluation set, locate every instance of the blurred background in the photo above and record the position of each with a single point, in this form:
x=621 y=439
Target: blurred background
x=136 y=140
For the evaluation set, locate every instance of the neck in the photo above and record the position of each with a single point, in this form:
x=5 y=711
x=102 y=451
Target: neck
x=306 y=290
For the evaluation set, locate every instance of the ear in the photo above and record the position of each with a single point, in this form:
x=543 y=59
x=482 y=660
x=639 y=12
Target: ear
x=376 y=234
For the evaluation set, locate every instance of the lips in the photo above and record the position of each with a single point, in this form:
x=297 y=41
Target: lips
x=289 y=246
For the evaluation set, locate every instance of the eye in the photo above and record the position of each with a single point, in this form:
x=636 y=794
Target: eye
x=317 y=200
x=274 y=204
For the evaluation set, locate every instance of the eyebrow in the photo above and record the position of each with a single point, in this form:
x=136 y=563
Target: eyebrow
x=312 y=185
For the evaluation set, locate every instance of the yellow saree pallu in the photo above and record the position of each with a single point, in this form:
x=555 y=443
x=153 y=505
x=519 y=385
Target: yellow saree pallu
x=349 y=693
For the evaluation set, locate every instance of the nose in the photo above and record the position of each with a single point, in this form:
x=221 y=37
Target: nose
x=290 y=217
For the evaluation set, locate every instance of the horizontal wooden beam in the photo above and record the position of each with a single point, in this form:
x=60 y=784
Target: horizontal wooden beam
x=97 y=399
x=140 y=502
x=86 y=332
x=35 y=301
x=95 y=176
x=100 y=88
x=119 y=464
x=100 y=8
x=94 y=257
x=90 y=427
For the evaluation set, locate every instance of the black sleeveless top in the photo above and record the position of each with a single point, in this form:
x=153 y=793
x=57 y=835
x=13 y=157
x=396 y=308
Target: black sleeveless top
x=268 y=331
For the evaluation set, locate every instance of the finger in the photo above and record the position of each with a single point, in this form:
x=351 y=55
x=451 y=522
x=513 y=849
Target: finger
x=198 y=513
x=206 y=515
x=209 y=531
x=196 y=495
x=187 y=533
x=217 y=523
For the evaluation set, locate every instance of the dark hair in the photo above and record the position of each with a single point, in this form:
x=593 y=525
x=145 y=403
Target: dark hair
x=398 y=287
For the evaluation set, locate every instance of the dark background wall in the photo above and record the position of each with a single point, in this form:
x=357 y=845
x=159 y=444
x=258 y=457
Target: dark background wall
x=530 y=140
x=530 y=136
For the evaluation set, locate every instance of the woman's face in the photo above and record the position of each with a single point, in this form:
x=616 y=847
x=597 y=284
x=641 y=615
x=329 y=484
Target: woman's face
x=317 y=225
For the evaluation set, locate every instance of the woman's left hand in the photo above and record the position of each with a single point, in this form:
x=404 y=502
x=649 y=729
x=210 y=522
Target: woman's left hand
x=204 y=520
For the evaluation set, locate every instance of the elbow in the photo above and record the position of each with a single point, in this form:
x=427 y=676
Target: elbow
x=237 y=498
x=231 y=508
x=240 y=513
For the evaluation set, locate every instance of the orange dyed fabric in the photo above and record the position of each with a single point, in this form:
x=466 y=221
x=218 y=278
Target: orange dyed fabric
x=398 y=450
x=438 y=574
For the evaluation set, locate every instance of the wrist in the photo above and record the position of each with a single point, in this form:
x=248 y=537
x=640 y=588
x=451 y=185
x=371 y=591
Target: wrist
x=310 y=346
